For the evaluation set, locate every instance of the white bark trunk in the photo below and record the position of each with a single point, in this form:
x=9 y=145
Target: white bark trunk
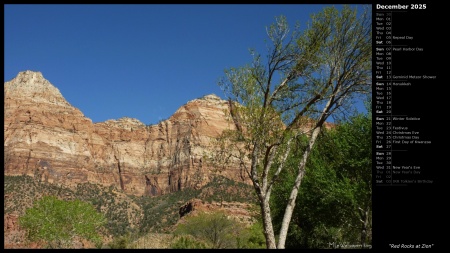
x=291 y=202
x=301 y=169
x=268 y=227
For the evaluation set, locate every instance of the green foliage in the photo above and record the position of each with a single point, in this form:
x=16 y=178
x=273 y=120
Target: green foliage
x=58 y=222
x=307 y=76
x=336 y=186
x=120 y=242
x=118 y=211
x=216 y=230
x=161 y=212
x=187 y=242
x=223 y=189
x=252 y=237
x=21 y=190
x=125 y=214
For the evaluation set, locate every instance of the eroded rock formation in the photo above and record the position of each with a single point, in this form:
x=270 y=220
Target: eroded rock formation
x=49 y=139
x=235 y=210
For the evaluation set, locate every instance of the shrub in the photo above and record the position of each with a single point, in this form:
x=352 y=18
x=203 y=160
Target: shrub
x=187 y=242
x=58 y=221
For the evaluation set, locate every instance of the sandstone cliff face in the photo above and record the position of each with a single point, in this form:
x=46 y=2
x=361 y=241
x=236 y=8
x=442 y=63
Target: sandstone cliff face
x=47 y=138
x=234 y=210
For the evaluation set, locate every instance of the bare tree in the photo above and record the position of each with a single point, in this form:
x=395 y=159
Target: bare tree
x=307 y=77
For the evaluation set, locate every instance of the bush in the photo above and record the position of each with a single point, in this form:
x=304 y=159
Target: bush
x=188 y=242
x=252 y=237
x=58 y=221
x=215 y=229
x=120 y=242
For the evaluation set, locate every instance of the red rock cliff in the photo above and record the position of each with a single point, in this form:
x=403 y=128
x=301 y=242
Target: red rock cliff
x=47 y=138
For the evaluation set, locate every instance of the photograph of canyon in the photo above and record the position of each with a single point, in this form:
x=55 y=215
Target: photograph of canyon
x=160 y=126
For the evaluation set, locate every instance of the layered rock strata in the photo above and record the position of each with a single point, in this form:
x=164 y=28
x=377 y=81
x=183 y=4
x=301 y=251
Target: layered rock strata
x=48 y=138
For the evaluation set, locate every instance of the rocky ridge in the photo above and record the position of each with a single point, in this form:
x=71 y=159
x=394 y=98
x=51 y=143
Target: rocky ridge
x=53 y=141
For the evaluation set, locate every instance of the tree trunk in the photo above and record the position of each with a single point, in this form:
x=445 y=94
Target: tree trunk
x=267 y=223
x=363 y=236
x=364 y=226
x=291 y=202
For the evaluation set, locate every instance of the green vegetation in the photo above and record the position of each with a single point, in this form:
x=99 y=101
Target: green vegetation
x=160 y=213
x=125 y=214
x=306 y=77
x=21 y=191
x=313 y=186
x=120 y=242
x=58 y=222
x=118 y=210
x=252 y=237
x=217 y=231
x=187 y=242
x=334 y=205
x=223 y=189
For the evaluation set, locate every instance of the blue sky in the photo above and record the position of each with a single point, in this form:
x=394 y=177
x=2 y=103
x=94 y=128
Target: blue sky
x=138 y=61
